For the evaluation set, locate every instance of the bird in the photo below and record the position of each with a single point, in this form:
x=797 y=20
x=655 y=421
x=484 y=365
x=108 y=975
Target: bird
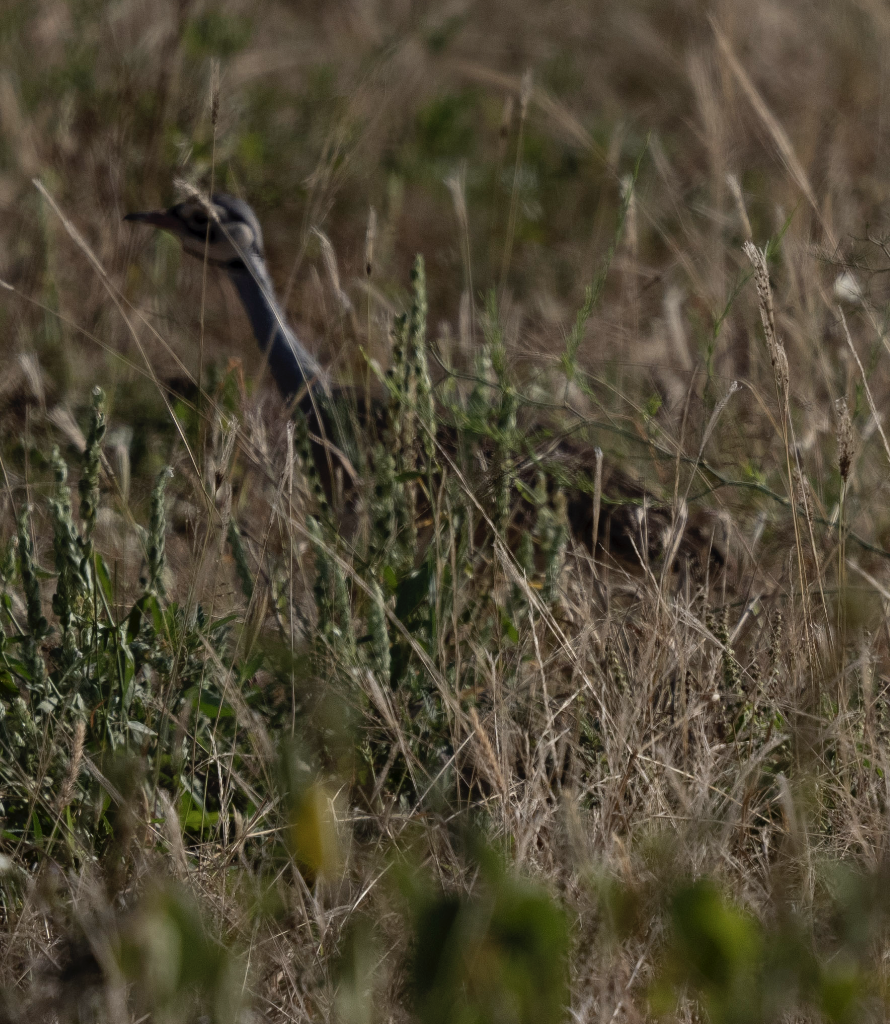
x=227 y=234
x=224 y=231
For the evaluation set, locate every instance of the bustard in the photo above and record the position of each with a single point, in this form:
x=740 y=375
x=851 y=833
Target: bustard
x=227 y=233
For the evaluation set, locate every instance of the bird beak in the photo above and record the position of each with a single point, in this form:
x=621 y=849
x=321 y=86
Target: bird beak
x=157 y=218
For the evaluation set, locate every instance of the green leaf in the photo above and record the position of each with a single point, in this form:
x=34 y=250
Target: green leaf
x=210 y=705
x=413 y=591
x=139 y=728
x=511 y=630
x=195 y=820
x=103 y=579
x=526 y=492
x=224 y=621
x=128 y=671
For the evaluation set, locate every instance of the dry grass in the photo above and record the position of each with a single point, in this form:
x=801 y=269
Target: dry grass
x=638 y=727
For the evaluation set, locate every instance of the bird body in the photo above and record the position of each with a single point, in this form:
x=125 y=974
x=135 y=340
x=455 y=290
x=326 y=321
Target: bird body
x=226 y=233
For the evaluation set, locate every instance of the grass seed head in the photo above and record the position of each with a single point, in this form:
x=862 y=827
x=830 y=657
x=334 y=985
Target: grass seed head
x=37 y=624
x=767 y=316
x=846 y=445
x=88 y=486
x=157 y=535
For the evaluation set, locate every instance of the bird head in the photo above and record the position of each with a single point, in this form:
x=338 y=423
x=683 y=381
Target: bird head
x=224 y=231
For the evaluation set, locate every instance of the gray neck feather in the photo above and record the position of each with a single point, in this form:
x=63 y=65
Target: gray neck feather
x=292 y=366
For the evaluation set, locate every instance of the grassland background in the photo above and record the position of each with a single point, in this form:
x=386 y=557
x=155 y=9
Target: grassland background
x=498 y=139
x=324 y=116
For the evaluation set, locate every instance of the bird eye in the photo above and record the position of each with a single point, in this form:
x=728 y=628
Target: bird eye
x=199 y=219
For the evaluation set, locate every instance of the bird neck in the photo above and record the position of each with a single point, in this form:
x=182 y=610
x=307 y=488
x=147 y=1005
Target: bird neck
x=292 y=366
